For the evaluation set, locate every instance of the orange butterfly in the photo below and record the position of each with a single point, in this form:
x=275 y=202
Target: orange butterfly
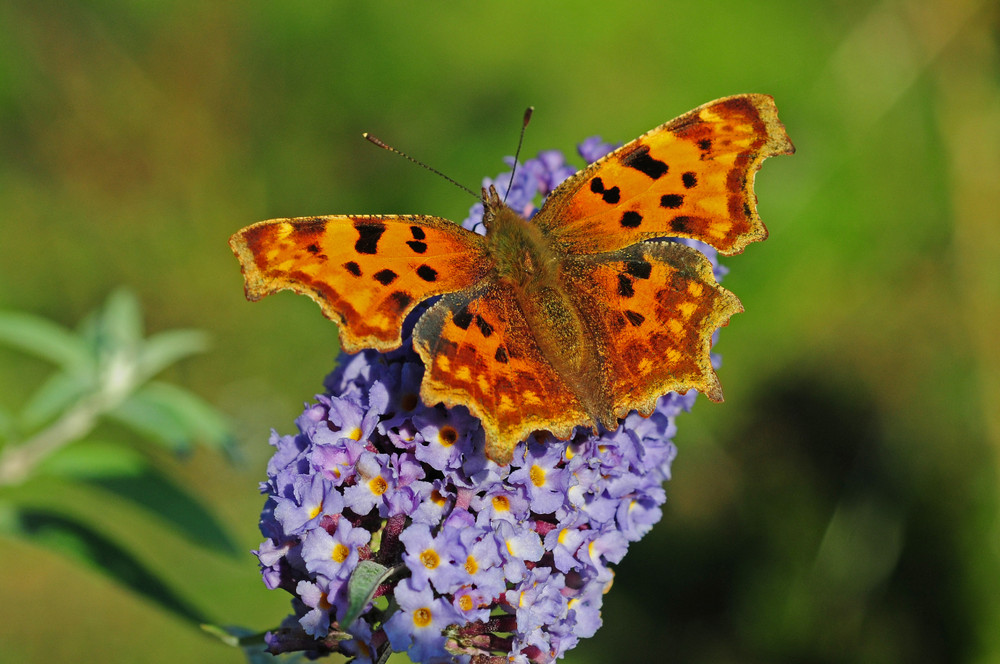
x=576 y=317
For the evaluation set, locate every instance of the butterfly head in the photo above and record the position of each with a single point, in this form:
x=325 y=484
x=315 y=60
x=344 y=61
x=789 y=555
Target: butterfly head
x=492 y=207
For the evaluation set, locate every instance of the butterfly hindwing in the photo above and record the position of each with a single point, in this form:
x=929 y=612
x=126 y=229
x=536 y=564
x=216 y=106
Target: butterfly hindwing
x=366 y=272
x=479 y=351
x=691 y=177
x=655 y=306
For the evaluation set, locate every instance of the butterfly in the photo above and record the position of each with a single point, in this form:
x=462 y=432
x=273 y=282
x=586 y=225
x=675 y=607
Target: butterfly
x=576 y=317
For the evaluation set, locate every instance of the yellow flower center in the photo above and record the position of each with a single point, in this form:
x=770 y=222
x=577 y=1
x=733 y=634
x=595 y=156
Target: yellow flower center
x=314 y=512
x=437 y=498
x=430 y=559
x=340 y=553
x=471 y=566
x=537 y=475
x=465 y=603
x=378 y=485
x=422 y=617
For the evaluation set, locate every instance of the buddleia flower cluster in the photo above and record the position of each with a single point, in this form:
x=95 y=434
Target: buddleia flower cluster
x=392 y=530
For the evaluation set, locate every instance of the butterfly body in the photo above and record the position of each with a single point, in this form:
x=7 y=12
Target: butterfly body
x=528 y=267
x=574 y=317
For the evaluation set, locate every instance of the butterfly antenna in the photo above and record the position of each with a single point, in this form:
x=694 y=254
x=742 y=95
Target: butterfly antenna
x=376 y=141
x=520 y=139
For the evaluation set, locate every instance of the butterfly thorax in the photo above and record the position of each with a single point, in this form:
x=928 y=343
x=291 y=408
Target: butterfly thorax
x=526 y=263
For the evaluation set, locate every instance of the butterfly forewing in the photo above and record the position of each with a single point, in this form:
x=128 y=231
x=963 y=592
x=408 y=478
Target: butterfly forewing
x=366 y=272
x=691 y=177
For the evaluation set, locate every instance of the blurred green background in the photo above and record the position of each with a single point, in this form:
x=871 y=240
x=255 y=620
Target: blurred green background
x=841 y=506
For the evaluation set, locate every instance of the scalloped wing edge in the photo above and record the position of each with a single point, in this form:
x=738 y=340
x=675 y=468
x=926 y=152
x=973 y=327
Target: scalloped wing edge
x=256 y=286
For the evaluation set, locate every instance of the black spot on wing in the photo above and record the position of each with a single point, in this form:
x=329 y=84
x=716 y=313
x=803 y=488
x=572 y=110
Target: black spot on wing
x=634 y=317
x=353 y=268
x=671 y=201
x=417 y=246
x=484 y=326
x=312 y=249
x=689 y=179
x=385 y=277
x=639 y=269
x=501 y=355
x=369 y=233
x=417 y=232
x=401 y=300
x=631 y=219
x=463 y=319
x=683 y=224
x=705 y=144
x=625 y=288
x=640 y=160
x=610 y=196
x=427 y=273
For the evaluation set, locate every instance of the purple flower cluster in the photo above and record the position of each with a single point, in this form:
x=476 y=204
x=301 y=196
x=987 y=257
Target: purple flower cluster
x=483 y=563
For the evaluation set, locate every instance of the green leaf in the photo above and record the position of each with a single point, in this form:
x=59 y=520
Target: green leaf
x=184 y=416
x=88 y=460
x=251 y=642
x=234 y=636
x=150 y=421
x=55 y=396
x=92 y=549
x=163 y=349
x=163 y=416
x=43 y=338
x=120 y=321
x=172 y=503
x=361 y=587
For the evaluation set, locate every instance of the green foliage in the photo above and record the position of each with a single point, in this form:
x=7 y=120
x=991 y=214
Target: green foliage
x=104 y=371
x=361 y=588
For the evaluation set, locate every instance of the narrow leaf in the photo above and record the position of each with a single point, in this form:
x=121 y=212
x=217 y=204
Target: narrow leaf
x=121 y=320
x=199 y=420
x=43 y=338
x=163 y=349
x=252 y=644
x=92 y=549
x=87 y=460
x=234 y=636
x=148 y=417
x=56 y=395
x=361 y=587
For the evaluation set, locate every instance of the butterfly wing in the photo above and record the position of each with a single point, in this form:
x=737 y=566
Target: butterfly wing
x=656 y=306
x=691 y=177
x=479 y=352
x=365 y=272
